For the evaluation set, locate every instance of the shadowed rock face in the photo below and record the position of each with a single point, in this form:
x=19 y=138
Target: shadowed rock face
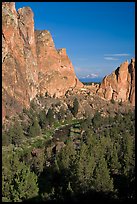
x=30 y=62
x=120 y=85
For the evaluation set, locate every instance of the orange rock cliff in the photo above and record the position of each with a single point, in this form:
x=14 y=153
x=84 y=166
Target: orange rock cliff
x=120 y=85
x=31 y=64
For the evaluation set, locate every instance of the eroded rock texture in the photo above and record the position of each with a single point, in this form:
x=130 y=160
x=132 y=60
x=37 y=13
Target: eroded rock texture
x=30 y=63
x=120 y=85
x=56 y=72
x=19 y=60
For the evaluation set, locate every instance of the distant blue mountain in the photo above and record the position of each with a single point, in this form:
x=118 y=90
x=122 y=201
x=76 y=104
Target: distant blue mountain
x=92 y=79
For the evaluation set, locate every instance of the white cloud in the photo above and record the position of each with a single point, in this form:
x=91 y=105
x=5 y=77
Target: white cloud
x=110 y=58
x=122 y=55
x=117 y=55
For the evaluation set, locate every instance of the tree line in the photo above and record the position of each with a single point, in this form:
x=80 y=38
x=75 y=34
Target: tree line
x=100 y=166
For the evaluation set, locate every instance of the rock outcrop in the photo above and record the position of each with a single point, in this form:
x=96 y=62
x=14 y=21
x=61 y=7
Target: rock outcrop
x=120 y=85
x=19 y=60
x=54 y=66
x=31 y=64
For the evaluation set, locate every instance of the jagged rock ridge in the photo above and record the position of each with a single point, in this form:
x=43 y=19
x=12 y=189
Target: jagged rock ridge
x=31 y=64
x=120 y=85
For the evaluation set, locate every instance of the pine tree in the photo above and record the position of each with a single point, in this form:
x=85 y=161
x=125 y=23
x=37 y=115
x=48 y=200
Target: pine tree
x=97 y=120
x=19 y=183
x=42 y=119
x=114 y=162
x=34 y=129
x=67 y=156
x=128 y=154
x=15 y=133
x=102 y=180
x=19 y=135
x=75 y=107
x=50 y=116
x=85 y=165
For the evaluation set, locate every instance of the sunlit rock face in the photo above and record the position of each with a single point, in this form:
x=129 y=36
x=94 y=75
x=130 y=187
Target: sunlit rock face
x=19 y=59
x=30 y=62
x=120 y=85
x=32 y=65
x=56 y=72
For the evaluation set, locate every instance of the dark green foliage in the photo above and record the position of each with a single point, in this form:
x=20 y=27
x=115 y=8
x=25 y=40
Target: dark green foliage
x=6 y=139
x=85 y=164
x=102 y=179
x=66 y=156
x=34 y=129
x=18 y=183
x=15 y=133
x=29 y=112
x=75 y=107
x=128 y=154
x=50 y=116
x=61 y=114
x=42 y=119
x=97 y=120
x=97 y=160
x=114 y=162
x=37 y=162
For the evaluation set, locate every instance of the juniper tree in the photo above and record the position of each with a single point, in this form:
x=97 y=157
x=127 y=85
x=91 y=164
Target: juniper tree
x=50 y=116
x=15 y=133
x=75 y=107
x=102 y=180
x=34 y=129
x=18 y=182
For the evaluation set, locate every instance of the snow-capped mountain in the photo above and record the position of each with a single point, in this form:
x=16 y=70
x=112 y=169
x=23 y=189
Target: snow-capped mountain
x=91 y=78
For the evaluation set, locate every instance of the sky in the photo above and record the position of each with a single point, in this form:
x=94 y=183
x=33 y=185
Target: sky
x=98 y=36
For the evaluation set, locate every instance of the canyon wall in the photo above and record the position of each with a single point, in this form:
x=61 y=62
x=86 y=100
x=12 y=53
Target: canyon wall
x=31 y=64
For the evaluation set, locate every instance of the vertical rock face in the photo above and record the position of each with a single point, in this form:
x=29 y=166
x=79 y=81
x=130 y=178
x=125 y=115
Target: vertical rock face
x=120 y=85
x=132 y=89
x=56 y=72
x=30 y=62
x=19 y=68
x=32 y=65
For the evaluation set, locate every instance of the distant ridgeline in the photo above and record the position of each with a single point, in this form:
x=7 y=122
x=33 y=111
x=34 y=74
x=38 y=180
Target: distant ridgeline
x=91 y=80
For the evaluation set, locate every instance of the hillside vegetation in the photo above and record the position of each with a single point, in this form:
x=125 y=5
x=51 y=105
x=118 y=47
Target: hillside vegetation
x=58 y=157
